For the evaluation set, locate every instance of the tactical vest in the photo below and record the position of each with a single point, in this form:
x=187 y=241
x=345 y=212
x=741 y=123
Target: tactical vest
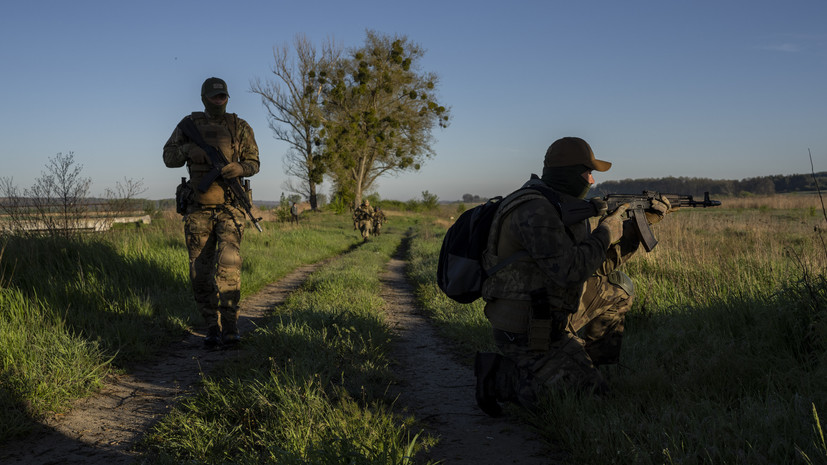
x=218 y=133
x=516 y=281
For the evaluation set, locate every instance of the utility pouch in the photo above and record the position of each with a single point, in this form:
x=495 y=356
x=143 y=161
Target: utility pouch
x=540 y=322
x=248 y=190
x=183 y=197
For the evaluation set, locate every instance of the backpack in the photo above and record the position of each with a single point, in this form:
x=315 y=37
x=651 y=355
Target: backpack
x=460 y=271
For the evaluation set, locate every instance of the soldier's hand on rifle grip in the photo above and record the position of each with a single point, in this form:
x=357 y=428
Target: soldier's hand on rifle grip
x=660 y=207
x=600 y=206
x=614 y=223
x=232 y=170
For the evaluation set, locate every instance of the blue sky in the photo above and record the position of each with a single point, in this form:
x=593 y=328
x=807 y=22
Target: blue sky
x=715 y=89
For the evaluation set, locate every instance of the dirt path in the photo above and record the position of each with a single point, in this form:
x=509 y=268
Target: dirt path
x=104 y=428
x=439 y=391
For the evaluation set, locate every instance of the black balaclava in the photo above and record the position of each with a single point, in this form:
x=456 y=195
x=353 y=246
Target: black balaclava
x=567 y=179
x=213 y=110
x=211 y=87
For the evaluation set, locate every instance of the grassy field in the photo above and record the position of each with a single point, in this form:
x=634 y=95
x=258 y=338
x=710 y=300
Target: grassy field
x=724 y=359
x=313 y=393
x=725 y=354
x=73 y=311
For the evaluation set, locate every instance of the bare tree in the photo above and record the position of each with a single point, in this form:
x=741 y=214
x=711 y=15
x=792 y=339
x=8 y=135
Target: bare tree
x=57 y=203
x=58 y=196
x=293 y=102
x=124 y=197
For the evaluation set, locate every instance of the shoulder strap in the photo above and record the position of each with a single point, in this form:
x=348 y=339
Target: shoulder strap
x=533 y=189
x=232 y=125
x=512 y=201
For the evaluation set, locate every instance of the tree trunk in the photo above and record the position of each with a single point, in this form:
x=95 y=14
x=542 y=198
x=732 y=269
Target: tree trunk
x=313 y=201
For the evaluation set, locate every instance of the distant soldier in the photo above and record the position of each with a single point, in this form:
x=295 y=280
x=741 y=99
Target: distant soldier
x=213 y=224
x=378 y=219
x=363 y=218
x=294 y=213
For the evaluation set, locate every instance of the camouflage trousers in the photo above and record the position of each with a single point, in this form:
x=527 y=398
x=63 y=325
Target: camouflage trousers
x=592 y=337
x=213 y=237
x=364 y=228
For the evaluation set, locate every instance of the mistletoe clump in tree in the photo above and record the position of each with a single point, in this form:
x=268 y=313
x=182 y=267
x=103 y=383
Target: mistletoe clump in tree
x=379 y=111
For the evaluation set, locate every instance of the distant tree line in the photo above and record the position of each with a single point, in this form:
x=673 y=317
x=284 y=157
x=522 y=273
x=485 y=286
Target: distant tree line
x=763 y=185
x=473 y=198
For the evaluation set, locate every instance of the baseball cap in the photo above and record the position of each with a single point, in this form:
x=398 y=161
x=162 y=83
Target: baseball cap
x=573 y=151
x=214 y=86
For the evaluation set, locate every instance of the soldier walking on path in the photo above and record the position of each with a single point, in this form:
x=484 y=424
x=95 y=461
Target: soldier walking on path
x=213 y=222
x=378 y=219
x=363 y=219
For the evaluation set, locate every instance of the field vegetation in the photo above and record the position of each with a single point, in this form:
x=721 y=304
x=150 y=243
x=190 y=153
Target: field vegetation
x=73 y=310
x=725 y=352
x=724 y=359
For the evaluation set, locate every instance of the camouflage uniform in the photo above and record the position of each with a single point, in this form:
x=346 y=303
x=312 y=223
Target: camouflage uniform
x=378 y=219
x=573 y=271
x=213 y=226
x=363 y=218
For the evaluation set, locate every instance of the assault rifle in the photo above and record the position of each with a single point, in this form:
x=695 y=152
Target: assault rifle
x=640 y=202
x=219 y=161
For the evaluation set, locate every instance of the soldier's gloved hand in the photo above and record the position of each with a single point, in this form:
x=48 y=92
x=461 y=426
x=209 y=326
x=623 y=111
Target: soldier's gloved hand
x=614 y=223
x=600 y=205
x=195 y=153
x=660 y=207
x=232 y=170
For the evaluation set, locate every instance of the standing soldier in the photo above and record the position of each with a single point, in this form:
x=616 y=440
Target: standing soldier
x=363 y=218
x=378 y=219
x=213 y=223
x=294 y=213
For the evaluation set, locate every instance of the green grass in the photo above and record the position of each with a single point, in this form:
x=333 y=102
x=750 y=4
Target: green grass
x=725 y=350
x=75 y=310
x=723 y=361
x=314 y=390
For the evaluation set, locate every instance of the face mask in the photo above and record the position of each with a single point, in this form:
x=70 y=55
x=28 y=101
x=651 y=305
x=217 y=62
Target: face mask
x=568 y=180
x=212 y=109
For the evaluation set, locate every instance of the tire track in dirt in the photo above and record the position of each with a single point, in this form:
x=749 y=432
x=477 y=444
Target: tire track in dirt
x=104 y=428
x=439 y=392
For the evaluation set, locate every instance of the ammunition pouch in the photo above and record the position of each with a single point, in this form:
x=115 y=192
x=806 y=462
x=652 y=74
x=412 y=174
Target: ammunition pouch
x=184 y=197
x=545 y=325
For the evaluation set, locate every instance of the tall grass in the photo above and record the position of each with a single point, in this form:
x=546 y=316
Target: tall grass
x=75 y=310
x=725 y=352
x=309 y=388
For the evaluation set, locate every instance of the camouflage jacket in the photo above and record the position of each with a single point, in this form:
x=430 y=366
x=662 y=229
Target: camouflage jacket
x=363 y=214
x=560 y=258
x=231 y=134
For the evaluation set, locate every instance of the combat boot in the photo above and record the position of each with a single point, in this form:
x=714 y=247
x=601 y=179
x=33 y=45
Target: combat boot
x=213 y=337
x=485 y=369
x=229 y=326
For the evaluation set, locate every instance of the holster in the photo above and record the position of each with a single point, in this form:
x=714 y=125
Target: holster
x=183 y=197
x=545 y=325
